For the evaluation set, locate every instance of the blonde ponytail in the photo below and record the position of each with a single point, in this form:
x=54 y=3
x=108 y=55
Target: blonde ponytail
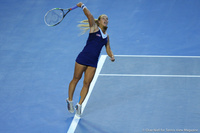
x=84 y=26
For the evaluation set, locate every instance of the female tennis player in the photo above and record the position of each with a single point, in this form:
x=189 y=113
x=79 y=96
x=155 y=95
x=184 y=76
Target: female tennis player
x=86 y=62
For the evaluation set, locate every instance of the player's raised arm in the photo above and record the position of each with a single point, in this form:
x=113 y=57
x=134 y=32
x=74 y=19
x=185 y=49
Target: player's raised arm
x=91 y=20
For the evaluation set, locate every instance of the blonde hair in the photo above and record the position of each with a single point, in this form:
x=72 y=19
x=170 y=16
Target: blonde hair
x=84 y=24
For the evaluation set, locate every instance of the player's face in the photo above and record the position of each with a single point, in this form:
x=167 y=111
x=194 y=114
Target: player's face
x=103 y=20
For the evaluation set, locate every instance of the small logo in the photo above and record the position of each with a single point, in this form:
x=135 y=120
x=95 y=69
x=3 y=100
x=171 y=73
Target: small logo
x=98 y=35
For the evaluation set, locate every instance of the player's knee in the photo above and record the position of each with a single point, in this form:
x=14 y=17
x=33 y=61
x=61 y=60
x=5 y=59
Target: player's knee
x=86 y=83
x=76 y=78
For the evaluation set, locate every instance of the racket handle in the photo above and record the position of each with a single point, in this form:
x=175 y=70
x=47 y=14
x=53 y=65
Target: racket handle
x=73 y=8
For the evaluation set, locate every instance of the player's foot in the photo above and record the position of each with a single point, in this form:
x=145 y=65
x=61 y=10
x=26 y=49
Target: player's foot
x=70 y=106
x=78 y=110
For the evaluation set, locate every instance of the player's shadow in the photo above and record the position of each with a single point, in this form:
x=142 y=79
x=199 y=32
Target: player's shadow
x=68 y=121
x=89 y=127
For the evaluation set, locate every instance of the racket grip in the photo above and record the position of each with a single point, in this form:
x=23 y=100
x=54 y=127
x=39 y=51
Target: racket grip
x=73 y=8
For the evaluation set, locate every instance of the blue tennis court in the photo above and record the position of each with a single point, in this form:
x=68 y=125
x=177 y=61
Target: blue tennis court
x=153 y=86
x=144 y=94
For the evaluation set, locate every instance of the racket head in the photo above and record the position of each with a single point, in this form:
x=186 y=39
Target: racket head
x=54 y=16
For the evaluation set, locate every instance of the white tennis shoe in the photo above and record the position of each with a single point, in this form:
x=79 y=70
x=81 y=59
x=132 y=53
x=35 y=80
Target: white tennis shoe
x=78 y=110
x=70 y=106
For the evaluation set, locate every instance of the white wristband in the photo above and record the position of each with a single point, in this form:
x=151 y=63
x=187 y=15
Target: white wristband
x=83 y=6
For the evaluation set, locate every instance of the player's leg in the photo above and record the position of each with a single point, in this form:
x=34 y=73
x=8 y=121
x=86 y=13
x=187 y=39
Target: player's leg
x=78 y=72
x=89 y=74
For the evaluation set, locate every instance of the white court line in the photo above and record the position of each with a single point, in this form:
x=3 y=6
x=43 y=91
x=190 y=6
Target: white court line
x=157 y=56
x=146 y=75
x=75 y=120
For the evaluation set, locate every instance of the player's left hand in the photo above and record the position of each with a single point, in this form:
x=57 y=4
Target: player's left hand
x=112 y=58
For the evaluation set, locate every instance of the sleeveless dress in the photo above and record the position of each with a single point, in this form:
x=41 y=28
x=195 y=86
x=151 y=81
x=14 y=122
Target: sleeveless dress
x=90 y=54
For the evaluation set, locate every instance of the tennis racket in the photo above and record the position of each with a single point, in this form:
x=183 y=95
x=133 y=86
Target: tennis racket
x=54 y=16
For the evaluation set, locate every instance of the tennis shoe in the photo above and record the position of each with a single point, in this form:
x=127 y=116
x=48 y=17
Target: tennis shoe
x=78 y=110
x=70 y=106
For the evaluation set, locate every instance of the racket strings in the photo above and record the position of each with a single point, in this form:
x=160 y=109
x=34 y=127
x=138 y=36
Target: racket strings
x=53 y=17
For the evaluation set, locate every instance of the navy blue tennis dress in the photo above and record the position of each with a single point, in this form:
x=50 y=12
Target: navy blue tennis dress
x=90 y=54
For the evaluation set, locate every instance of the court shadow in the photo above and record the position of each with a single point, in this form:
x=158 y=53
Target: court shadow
x=89 y=127
x=68 y=121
